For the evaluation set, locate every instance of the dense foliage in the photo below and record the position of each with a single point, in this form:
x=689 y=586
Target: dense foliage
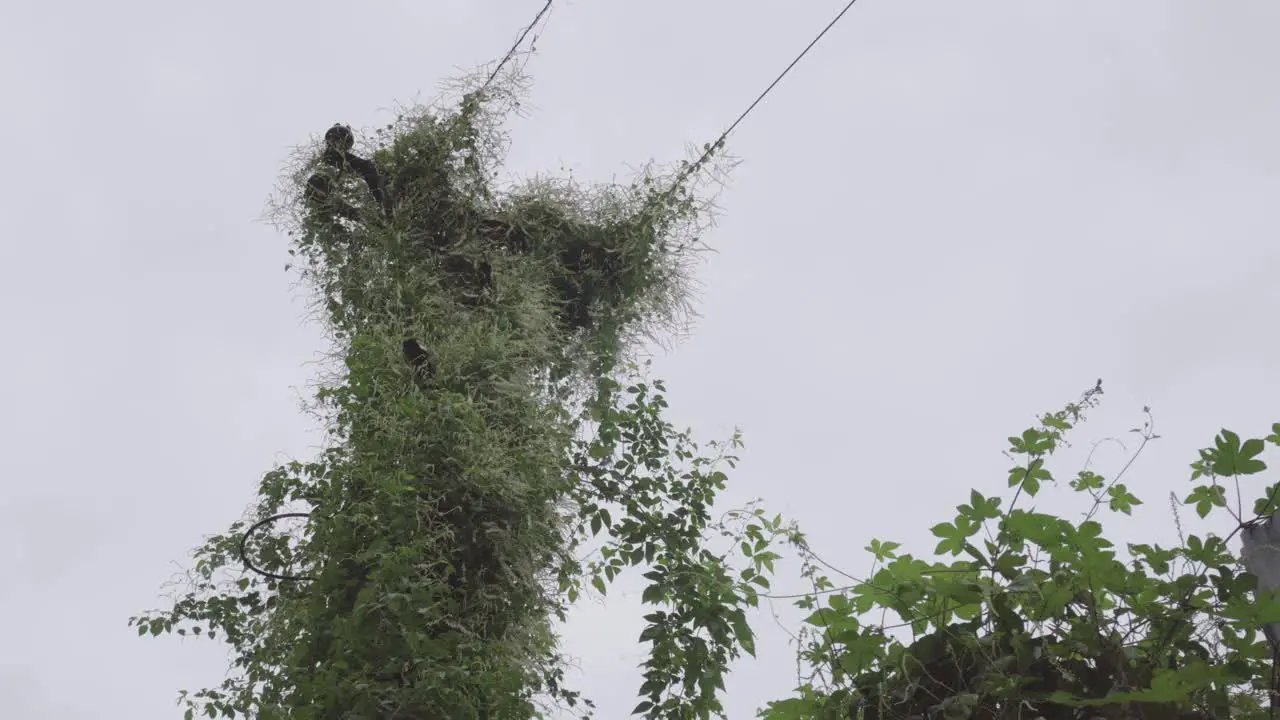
x=1029 y=614
x=483 y=426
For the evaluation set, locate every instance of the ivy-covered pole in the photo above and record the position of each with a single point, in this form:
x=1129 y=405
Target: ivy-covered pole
x=473 y=325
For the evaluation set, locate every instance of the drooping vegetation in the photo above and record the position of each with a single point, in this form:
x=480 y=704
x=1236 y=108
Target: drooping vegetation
x=478 y=433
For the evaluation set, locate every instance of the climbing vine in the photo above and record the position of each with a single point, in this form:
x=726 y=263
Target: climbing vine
x=484 y=421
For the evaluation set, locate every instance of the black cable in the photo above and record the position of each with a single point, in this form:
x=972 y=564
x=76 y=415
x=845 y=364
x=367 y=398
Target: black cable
x=244 y=541
x=511 y=53
x=732 y=126
x=689 y=170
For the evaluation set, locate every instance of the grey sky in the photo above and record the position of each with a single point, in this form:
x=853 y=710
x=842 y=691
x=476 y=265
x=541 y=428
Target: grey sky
x=950 y=217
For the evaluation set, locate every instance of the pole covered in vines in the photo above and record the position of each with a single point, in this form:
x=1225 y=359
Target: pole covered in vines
x=473 y=322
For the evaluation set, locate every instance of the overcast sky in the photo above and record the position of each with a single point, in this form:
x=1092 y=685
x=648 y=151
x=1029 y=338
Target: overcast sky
x=950 y=217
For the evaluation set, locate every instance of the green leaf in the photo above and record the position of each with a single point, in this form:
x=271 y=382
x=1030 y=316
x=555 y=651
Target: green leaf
x=1087 y=480
x=1267 y=504
x=742 y=631
x=1031 y=485
x=820 y=618
x=953 y=538
x=1206 y=497
x=882 y=551
x=861 y=652
x=1274 y=437
x=652 y=594
x=1121 y=499
x=1231 y=457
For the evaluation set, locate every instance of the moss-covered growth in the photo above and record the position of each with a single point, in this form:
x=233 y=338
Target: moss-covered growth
x=438 y=510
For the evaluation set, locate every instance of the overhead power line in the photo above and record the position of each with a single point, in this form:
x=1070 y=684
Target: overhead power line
x=516 y=46
x=690 y=169
x=760 y=98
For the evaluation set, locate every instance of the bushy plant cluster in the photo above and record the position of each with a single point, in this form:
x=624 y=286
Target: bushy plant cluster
x=1031 y=614
x=459 y=478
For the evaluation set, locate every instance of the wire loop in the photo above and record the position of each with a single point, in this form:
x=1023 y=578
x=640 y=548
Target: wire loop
x=244 y=542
